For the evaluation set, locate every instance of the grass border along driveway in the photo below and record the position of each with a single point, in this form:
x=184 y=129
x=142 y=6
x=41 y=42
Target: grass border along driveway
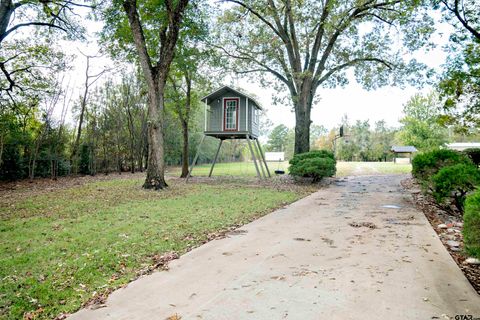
x=61 y=248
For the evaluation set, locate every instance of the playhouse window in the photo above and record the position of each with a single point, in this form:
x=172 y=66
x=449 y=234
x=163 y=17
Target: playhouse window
x=230 y=114
x=256 y=115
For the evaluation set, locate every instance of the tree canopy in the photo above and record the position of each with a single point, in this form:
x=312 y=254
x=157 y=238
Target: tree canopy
x=420 y=123
x=175 y=48
x=460 y=82
x=310 y=44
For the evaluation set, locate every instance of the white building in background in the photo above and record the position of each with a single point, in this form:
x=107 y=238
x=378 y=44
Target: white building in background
x=275 y=156
x=460 y=146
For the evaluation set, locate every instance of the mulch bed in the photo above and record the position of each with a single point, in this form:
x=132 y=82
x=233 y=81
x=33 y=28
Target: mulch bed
x=448 y=225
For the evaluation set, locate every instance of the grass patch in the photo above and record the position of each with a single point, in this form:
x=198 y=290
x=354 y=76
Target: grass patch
x=371 y=168
x=232 y=169
x=343 y=168
x=58 y=248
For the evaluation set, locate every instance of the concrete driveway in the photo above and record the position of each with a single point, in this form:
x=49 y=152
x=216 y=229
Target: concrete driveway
x=355 y=250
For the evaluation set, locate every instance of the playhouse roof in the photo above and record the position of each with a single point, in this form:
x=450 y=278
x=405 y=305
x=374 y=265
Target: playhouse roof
x=403 y=149
x=223 y=90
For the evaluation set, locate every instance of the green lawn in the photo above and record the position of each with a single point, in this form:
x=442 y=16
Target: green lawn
x=232 y=169
x=59 y=247
x=343 y=168
x=371 y=168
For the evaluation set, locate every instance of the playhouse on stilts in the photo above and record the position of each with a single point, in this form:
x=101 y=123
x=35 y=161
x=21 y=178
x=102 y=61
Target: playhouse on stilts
x=232 y=114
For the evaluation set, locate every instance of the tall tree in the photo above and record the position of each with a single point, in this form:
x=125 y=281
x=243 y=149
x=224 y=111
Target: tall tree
x=153 y=27
x=420 y=123
x=183 y=109
x=460 y=82
x=382 y=140
x=310 y=44
x=191 y=56
x=316 y=131
x=277 y=138
x=361 y=139
x=90 y=79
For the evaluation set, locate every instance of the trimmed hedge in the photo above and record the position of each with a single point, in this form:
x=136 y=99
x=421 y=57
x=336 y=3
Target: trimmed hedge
x=428 y=164
x=455 y=182
x=314 y=164
x=471 y=224
x=312 y=154
x=474 y=155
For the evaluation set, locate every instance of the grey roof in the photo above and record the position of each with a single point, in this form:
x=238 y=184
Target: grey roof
x=403 y=149
x=225 y=89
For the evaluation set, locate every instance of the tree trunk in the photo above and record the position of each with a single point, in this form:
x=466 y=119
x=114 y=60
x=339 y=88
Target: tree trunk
x=1 y=150
x=185 y=119
x=33 y=159
x=185 y=150
x=142 y=145
x=33 y=162
x=73 y=157
x=131 y=131
x=155 y=163
x=119 y=158
x=156 y=77
x=55 y=155
x=303 y=108
x=83 y=108
x=105 y=161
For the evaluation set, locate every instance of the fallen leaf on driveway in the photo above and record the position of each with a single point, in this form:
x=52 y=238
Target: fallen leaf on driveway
x=301 y=239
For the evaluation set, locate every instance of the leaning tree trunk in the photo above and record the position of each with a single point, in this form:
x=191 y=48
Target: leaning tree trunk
x=76 y=144
x=155 y=163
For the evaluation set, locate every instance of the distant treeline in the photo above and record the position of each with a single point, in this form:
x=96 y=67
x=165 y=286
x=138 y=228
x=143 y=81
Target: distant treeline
x=360 y=143
x=35 y=142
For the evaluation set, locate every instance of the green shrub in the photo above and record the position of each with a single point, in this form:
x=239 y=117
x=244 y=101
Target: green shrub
x=455 y=182
x=471 y=224
x=429 y=163
x=314 y=164
x=474 y=155
x=312 y=154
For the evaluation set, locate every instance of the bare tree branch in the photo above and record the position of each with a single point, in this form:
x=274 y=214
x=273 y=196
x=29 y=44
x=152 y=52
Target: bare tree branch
x=257 y=14
x=349 y=64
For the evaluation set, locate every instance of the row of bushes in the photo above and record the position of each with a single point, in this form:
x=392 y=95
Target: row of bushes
x=452 y=178
x=448 y=174
x=316 y=164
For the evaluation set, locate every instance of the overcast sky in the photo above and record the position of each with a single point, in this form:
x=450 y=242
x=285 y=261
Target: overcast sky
x=359 y=104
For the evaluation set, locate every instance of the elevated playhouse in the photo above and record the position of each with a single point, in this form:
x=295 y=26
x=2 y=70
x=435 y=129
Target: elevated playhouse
x=232 y=114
